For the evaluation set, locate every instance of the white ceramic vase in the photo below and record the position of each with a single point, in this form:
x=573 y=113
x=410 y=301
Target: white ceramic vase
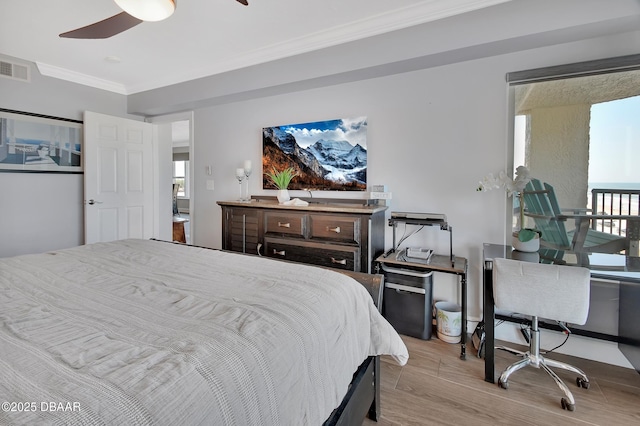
x=525 y=246
x=283 y=196
x=533 y=257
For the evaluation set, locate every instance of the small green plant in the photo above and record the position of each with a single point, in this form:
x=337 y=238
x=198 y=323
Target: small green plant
x=282 y=179
x=527 y=234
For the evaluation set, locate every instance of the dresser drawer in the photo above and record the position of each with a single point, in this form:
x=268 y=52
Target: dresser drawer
x=290 y=224
x=329 y=255
x=336 y=235
x=241 y=231
x=335 y=228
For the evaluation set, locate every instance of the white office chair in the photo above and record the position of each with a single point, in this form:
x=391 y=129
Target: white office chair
x=554 y=292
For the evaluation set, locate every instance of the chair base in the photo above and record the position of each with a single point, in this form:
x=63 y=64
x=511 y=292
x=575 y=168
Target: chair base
x=533 y=358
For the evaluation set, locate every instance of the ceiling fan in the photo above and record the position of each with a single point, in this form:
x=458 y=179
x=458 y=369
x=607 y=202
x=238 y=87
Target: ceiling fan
x=134 y=12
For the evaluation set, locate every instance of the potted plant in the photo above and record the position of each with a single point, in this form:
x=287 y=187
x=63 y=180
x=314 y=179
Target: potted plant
x=525 y=239
x=282 y=180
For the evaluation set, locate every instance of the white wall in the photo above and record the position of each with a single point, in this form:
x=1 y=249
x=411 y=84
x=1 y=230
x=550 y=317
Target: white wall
x=44 y=211
x=40 y=212
x=432 y=135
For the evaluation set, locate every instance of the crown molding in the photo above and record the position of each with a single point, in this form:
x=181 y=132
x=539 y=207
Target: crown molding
x=419 y=13
x=79 y=78
x=398 y=19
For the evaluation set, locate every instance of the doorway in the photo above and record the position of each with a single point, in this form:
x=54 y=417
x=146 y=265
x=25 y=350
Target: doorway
x=181 y=156
x=174 y=175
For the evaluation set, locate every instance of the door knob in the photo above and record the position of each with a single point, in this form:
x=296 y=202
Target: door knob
x=92 y=202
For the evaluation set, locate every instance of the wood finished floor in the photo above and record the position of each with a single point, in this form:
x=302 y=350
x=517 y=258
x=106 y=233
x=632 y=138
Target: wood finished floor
x=436 y=387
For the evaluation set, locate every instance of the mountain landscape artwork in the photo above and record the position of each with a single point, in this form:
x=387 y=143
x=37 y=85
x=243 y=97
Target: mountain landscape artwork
x=326 y=155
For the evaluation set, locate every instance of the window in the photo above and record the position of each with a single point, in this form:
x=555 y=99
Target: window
x=574 y=125
x=181 y=177
x=614 y=144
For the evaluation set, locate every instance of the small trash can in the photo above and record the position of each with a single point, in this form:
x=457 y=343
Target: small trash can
x=448 y=321
x=407 y=301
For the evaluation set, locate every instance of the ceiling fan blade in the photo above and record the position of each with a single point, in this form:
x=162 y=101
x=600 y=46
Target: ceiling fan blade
x=245 y=2
x=105 y=28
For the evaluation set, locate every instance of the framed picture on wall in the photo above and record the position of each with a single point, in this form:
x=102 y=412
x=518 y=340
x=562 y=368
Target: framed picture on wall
x=328 y=155
x=39 y=143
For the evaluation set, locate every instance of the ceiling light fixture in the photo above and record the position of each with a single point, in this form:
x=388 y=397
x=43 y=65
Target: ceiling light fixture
x=148 y=10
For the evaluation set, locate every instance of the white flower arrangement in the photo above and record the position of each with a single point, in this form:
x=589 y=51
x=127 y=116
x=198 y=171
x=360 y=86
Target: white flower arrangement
x=514 y=187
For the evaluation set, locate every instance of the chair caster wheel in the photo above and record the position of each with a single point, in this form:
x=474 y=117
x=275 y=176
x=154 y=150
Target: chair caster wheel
x=566 y=405
x=503 y=385
x=582 y=383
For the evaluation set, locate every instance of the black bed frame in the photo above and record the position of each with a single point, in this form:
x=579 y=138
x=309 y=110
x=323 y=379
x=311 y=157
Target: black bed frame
x=363 y=396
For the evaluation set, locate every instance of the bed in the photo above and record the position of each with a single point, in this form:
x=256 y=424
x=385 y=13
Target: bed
x=150 y=332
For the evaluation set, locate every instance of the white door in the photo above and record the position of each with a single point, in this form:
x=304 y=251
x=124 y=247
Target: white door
x=118 y=178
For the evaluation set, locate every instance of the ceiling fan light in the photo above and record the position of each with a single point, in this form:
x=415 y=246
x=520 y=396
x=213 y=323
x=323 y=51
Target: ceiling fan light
x=148 y=10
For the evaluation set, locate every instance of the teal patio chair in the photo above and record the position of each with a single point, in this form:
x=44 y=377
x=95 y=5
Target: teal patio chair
x=541 y=205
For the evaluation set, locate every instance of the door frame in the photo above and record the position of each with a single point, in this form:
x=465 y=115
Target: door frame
x=160 y=152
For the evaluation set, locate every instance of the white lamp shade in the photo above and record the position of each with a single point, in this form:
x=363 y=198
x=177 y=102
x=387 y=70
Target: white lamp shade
x=148 y=10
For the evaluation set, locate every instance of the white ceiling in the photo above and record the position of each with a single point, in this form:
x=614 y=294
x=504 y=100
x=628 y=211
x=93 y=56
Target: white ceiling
x=203 y=37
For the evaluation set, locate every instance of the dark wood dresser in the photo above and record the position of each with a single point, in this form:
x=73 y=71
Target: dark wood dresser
x=337 y=235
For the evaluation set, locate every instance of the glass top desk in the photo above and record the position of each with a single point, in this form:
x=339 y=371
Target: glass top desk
x=613 y=267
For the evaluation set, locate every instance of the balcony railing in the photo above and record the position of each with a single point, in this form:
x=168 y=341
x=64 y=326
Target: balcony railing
x=616 y=202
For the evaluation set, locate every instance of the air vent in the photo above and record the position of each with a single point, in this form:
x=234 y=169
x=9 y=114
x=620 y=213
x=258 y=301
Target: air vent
x=15 y=71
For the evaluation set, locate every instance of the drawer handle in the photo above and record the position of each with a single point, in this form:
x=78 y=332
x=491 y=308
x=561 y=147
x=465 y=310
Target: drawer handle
x=279 y=253
x=284 y=225
x=336 y=229
x=339 y=262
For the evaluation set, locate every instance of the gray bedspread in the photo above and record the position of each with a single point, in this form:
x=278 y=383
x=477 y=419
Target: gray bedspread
x=140 y=332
